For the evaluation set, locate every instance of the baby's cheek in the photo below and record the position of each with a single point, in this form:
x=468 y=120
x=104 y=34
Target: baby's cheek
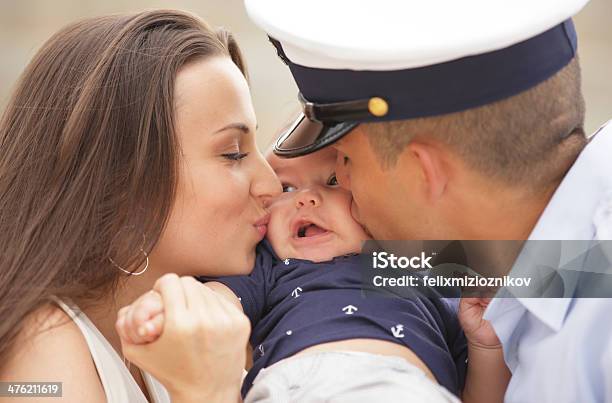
x=352 y=230
x=280 y=247
x=340 y=202
x=343 y=199
x=277 y=236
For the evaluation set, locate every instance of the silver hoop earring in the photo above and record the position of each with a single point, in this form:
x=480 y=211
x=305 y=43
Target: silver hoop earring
x=129 y=272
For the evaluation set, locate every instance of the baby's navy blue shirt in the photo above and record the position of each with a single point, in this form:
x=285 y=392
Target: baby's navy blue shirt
x=295 y=304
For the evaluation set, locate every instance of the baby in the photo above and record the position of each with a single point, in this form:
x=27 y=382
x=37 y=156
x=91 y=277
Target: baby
x=314 y=335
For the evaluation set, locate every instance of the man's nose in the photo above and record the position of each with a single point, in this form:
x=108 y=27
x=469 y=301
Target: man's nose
x=307 y=198
x=342 y=173
x=355 y=211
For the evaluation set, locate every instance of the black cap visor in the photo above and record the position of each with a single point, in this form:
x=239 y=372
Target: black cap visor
x=306 y=136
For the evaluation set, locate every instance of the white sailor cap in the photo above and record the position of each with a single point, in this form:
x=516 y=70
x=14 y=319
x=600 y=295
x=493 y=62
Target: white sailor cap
x=369 y=61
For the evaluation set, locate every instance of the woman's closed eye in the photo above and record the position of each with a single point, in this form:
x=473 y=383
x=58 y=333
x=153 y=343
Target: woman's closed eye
x=235 y=156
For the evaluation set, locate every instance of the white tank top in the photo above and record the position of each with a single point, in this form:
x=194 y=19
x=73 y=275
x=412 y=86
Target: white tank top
x=119 y=385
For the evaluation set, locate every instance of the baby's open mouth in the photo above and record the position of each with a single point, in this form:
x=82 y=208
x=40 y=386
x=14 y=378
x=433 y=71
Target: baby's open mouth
x=306 y=227
x=309 y=229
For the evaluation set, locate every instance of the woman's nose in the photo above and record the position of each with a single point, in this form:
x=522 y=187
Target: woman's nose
x=307 y=198
x=265 y=185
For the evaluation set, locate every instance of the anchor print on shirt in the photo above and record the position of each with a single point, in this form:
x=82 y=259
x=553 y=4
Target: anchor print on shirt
x=296 y=293
x=349 y=309
x=261 y=349
x=397 y=331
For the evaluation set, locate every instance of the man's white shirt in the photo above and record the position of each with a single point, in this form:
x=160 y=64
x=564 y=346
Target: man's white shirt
x=560 y=349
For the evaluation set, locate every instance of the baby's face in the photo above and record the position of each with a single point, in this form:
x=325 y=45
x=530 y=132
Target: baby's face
x=312 y=218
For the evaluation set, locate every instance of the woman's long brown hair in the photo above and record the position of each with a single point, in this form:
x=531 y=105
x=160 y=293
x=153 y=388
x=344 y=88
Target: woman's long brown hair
x=88 y=157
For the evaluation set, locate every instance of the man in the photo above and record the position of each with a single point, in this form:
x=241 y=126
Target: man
x=464 y=120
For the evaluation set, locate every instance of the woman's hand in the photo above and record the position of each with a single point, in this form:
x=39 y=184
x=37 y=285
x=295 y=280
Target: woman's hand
x=201 y=352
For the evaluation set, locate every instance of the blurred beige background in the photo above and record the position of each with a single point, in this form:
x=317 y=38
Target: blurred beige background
x=26 y=24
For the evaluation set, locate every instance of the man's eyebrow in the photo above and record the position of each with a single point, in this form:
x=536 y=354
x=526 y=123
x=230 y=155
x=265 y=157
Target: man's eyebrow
x=238 y=126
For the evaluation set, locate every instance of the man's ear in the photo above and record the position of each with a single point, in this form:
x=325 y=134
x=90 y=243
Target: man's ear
x=430 y=159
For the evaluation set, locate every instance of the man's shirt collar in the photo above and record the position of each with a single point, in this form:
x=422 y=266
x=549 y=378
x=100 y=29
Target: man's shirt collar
x=573 y=213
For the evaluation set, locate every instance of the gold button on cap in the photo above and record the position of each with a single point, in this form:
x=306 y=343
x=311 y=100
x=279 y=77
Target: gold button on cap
x=378 y=106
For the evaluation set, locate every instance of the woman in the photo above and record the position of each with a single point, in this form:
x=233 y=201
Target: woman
x=128 y=152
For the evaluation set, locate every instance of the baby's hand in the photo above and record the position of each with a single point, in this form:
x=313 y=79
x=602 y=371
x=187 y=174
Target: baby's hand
x=478 y=331
x=142 y=321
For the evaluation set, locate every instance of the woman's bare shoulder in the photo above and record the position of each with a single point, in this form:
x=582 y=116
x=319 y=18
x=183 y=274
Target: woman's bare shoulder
x=51 y=348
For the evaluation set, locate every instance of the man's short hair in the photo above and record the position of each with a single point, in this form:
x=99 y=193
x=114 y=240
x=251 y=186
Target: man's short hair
x=528 y=139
